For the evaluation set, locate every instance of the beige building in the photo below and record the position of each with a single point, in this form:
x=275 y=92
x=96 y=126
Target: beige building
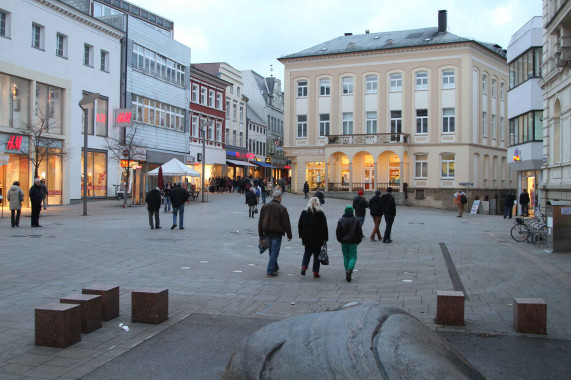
x=419 y=110
x=556 y=84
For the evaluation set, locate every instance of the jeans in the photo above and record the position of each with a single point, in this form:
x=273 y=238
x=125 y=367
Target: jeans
x=15 y=217
x=389 y=219
x=263 y=197
x=361 y=220
x=349 y=255
x=154 y=213
x=175 y=211
x=525 y=209
x=508 y=211
x=274 y=243
x=376 y=231
x=168 y=203
x=311 y=250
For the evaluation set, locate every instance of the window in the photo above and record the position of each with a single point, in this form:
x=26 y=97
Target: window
x=104 y=61
x=15 y=99
x=502 y=128
x=61 y=45
x=323 y=124
x=371 y=121
x=161 y=66
x=421 y=122
x=195 y=126
x=101 y=113
x=396 y=125
x=502 y=91
x=233 y=137
x=494 y=82
x=448 y=79
x=347 y=86
x=494 y=129
x=371 y=84
x=396 y=82
x=49 y=106
x=235 y=111
x=210 y=98
x=231 y=88
x=448 y=120
x=241 y=113
x=88 y=55
x=156 y=113
x=219 y=101
x=150 y=61
x=422 y=80
x=194 y=96
x=241 y=138
x=302 y=89
x=324 y=87
x=525 y=67
x=203 y=95
x=484 y=124
x=238 y=90
x=5 y=20
x=421 y=166
x=38 y=36
x=138 y=56
x=484 y=84
x=526 y=127
x=447 y=164
x=347 y=123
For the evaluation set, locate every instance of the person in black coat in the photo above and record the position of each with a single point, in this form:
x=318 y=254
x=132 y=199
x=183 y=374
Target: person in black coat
x=524 y=202
x=376 y=210
x=36 y=195
x=510 y=200
x=319 y=195
x=305 y=189
x=153 y=200
x=349 y=234
x=390 y=211
x=179 y=195
x=251 y=201
x=312 y=229
x=360 y=205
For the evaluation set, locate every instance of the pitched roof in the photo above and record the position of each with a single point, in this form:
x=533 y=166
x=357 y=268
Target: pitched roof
x=253 y=115
x=388 y=40
x=210 y=68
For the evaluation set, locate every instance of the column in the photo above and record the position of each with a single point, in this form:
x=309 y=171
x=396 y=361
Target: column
x=351 y=176
x=376 y=171
x=401 y=172
x=326 y=176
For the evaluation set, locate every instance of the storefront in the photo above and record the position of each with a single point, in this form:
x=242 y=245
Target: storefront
x=238 y=166
x=315 y=174
x=530 y=180
x=96 y=173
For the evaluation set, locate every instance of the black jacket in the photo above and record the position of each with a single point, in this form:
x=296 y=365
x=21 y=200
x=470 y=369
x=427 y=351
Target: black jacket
x=312 y=228
x=168 y=191
x=388 y=204
x=179 y=195
x=375 y=206
x=305 y=188
x=360 y=204
x=510 y=199
x=251 y=198
x=153 y=200
x=349 y=230
x=524 y=198
x=36 y=193
x=320 y=196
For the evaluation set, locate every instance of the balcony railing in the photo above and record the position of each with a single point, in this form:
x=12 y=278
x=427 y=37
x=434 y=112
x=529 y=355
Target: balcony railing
x=333 y=186
x=369 y=139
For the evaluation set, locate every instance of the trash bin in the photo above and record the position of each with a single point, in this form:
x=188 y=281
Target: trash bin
x=559 y=226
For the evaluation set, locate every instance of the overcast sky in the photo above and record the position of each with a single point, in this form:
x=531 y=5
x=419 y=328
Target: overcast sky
x=251 y=34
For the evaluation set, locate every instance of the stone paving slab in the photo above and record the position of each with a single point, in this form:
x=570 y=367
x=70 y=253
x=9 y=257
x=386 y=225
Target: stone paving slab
x=213 y=267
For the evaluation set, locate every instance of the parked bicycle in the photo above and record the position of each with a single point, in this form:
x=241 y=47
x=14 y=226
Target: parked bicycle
x=534 y=231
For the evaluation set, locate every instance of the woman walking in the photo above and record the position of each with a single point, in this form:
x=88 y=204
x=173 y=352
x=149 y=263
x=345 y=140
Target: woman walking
x=251 y=201
x=312 y=228
x=15 y=197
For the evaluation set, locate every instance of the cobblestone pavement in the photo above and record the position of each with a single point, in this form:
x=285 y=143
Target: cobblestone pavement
x=213 y=267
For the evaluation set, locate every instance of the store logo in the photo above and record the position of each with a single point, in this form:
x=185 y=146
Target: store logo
x=123 y=117
x=14 y=142
x=100 y=118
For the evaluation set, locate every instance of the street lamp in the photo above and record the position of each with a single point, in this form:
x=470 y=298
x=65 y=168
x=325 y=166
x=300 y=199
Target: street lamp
x=87 y=99
x=203 y=125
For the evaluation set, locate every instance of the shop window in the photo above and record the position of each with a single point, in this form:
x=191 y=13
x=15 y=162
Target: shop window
x=49 y=106
x=50 y=170
x=315 y=175
x=14 y=101
x=96 y=174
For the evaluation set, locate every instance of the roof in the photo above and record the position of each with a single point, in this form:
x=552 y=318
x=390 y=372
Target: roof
x=389 y=40
x=210 y=68
x=253 y=115
x=213 y=78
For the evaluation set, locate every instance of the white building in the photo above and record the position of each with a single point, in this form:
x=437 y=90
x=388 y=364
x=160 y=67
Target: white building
x=257 y=135
x=51 y=55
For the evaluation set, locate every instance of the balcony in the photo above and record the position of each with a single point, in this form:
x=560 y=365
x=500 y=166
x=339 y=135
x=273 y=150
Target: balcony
x=369 y=139
x=563 y=57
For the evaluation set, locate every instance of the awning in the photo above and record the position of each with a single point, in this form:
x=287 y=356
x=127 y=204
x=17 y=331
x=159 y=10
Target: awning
x=262 y=164
x=239 y=163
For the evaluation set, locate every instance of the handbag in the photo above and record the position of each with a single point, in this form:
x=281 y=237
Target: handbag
x=323 y=257
x=256 y=210
x=21 y=197
x=263 y=245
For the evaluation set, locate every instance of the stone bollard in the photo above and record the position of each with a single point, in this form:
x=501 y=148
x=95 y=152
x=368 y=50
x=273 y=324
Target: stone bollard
x=450 y=308
x=530 y=315
x=149 y=305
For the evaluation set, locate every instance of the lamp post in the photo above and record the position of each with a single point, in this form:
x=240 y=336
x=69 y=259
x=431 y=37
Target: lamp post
x=203 y=125
x=87 y=99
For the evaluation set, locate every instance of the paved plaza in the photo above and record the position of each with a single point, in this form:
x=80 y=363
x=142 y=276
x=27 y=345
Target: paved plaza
x=213 y=268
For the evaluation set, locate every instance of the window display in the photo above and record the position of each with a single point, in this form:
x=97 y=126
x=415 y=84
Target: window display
x=96 y=174
x=315 y=174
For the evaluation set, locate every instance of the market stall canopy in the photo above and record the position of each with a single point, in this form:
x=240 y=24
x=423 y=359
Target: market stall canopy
x=175 y=168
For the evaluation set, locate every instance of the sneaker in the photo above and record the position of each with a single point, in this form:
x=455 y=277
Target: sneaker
x=181 y=228
x=303 y=269
x=273 y=274
x=173 y=227
x=348 y=275
x=316 y=275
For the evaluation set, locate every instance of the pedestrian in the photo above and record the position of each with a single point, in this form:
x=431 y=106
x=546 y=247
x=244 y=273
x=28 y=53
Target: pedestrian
x=389 y=211
x=168 y=203
x=45 y=189
x=36 y=195
x=179 y=195
x=153 y=200
x=312 y=229
x=360 y=205
x=15 y=198
x=349 y=234
x=273 y=224
x=524 y=202
x=510 y=200
x=305 y=189
x=460 y=200
x=258 y=193
x=319 y=195
x=376 y=210
x=264 y=191
x=251 y=201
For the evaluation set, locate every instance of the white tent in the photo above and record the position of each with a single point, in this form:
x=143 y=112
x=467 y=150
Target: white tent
x=175 y=168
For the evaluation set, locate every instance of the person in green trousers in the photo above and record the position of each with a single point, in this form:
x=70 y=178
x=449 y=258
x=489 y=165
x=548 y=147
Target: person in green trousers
x=349 y=234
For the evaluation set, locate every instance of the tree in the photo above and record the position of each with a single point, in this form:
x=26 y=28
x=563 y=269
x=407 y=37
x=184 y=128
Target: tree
x=42 y=146
x=126 y=149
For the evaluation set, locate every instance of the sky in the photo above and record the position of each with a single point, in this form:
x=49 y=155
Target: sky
x=252 y=34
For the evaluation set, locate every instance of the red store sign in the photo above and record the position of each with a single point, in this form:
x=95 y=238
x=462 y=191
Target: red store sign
x=14 y=143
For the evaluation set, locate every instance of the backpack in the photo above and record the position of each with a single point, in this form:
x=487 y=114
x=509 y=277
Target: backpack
x=258 y=192
x=463 y=199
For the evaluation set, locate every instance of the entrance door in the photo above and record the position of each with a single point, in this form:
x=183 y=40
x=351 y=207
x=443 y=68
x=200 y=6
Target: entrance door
x=369 y=179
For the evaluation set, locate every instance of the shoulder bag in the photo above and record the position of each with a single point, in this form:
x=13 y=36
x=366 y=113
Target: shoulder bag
x=323 y=257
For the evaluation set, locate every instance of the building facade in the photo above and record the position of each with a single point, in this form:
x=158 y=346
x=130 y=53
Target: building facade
x=257 y=135
x=52 y=55
x=423 y=111
x=207 y=106
x=556 y=85
x=525 y=109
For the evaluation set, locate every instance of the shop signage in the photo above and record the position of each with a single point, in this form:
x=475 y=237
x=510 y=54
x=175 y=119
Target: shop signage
x=189 y=160
x=100 y=117
x=475 y=207
x=466 y=184
x=14 y=142
x=134 y=164
x=249 y=156
x=516 y=156
x=268 y=160
x=287 y=167
x=306 y=152
x=199 y=157
x=123 y=117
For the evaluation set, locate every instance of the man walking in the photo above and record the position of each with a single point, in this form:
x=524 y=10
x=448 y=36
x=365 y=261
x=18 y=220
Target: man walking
x=349 y=234
x=510 y=200
x=36 y=195
x=390 y=211
x=305 y=189
x=319 y=195
x=360 y=205
x=524 y=202
x=459 y=202
x=273 y=224
x=179 y=195
x=375 y=208
x=153 y=200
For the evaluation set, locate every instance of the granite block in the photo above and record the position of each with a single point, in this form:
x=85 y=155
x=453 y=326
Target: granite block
x=149 y=305
x=57 y=325
x=450 y=308
x=90 y=307
x=530 y=315
x=109 y=299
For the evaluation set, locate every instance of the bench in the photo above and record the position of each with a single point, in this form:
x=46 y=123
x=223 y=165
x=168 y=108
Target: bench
x=450 y=308
x=57 y=325
x=530 y=315
x=109 y=299
x=90 y=310
x=150 y=305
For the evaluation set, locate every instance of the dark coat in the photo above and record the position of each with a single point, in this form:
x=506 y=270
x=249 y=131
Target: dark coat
x=305 y=188
x=36 y=194
x=153 y=200
x=179 y=195
x=168 y=191
x=251 y=198
x=349 y=230
x=320 y=196
x=524 y=198
x=510 y=199
x=360 y=204
x=375 y=206
x=388 y=204
x=312 y=228
x=274 y=220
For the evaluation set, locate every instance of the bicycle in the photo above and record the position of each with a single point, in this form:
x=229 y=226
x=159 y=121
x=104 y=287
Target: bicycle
x=538 y=230
x=520 y=231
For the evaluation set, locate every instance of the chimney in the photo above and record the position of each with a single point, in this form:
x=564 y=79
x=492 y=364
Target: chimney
x=348 y=34
x=442 y=21
x=367 y=31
